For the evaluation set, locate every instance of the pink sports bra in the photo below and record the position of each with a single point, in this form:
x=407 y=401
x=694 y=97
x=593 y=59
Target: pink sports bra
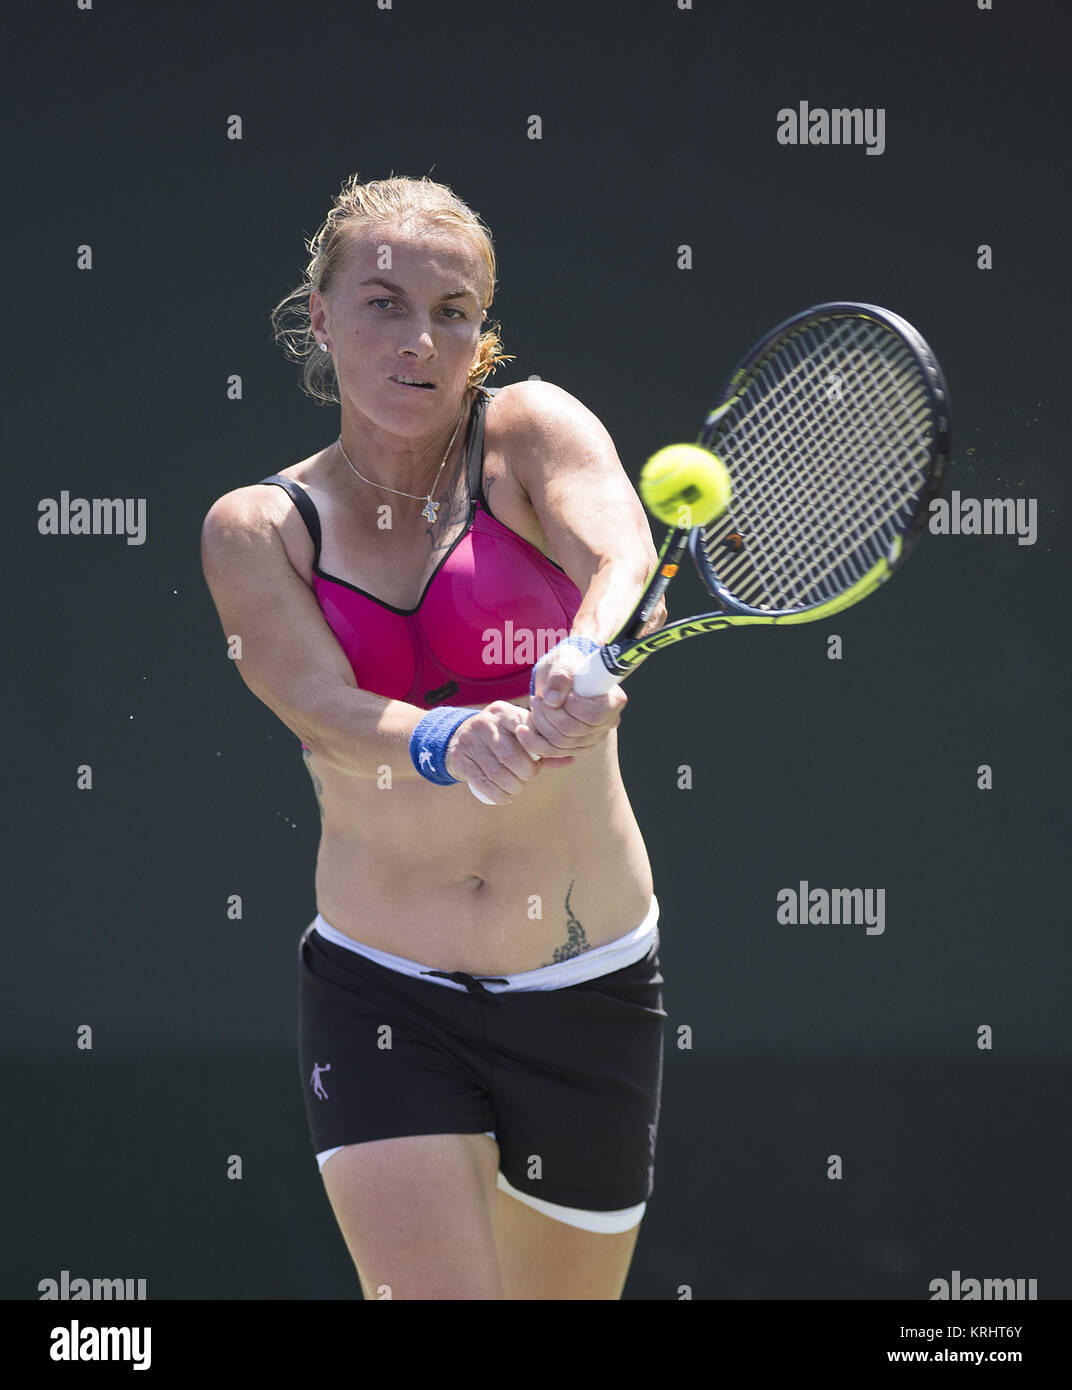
x=491 y=609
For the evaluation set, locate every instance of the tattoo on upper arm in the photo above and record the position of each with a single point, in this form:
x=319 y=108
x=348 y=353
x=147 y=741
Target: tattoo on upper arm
x=318 y=786
x=577 y=942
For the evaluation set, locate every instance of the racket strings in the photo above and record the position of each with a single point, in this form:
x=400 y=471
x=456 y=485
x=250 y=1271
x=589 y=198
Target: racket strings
x=843 y=449
x=836 y=446
x=828 y=447
x=853 y=497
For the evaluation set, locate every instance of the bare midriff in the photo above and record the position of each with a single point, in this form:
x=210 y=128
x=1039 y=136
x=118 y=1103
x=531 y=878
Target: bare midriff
x=432 y=874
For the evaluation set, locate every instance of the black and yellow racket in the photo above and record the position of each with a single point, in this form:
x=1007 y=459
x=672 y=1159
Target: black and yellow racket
x=834 y=431
x=834 y=435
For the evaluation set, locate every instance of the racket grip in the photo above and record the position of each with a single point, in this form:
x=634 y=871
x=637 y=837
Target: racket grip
x=593 y=678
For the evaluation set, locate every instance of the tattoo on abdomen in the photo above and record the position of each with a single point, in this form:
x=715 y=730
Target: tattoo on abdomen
x=577 y=942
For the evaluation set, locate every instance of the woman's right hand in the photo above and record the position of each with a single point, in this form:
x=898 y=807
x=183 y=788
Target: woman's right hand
x=497 y=751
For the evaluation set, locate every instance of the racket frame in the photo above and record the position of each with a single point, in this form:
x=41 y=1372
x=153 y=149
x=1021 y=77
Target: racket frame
x=621 y=657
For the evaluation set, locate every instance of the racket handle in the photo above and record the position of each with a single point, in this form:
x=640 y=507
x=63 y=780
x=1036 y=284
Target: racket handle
x=593 y=678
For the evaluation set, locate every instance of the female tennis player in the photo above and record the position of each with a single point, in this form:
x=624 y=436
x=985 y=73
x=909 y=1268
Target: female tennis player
x=480 y=1012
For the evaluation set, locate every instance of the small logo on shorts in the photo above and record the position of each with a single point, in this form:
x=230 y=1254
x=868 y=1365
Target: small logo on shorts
x=315 y=1082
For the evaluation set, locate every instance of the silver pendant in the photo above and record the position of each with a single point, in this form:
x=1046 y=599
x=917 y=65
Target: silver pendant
x=429 y=509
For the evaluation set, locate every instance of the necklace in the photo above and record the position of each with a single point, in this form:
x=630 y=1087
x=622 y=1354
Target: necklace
x=430 y=508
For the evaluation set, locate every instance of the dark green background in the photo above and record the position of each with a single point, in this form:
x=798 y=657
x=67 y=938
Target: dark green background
x=658 y=129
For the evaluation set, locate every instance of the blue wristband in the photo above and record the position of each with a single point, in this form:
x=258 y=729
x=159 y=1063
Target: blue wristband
x=428 y=742
x=586 y=644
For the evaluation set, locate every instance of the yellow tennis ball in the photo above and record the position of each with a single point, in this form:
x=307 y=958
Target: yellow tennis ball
x=685 y=485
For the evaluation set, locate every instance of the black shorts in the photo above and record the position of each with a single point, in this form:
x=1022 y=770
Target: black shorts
x=567 y=1080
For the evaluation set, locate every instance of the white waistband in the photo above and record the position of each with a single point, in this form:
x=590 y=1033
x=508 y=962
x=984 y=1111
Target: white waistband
x=589 y=965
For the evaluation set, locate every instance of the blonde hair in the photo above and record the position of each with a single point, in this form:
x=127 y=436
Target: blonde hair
x=357 y=208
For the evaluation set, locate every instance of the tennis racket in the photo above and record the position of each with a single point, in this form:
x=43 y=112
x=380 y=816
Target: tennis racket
x=835 y=431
